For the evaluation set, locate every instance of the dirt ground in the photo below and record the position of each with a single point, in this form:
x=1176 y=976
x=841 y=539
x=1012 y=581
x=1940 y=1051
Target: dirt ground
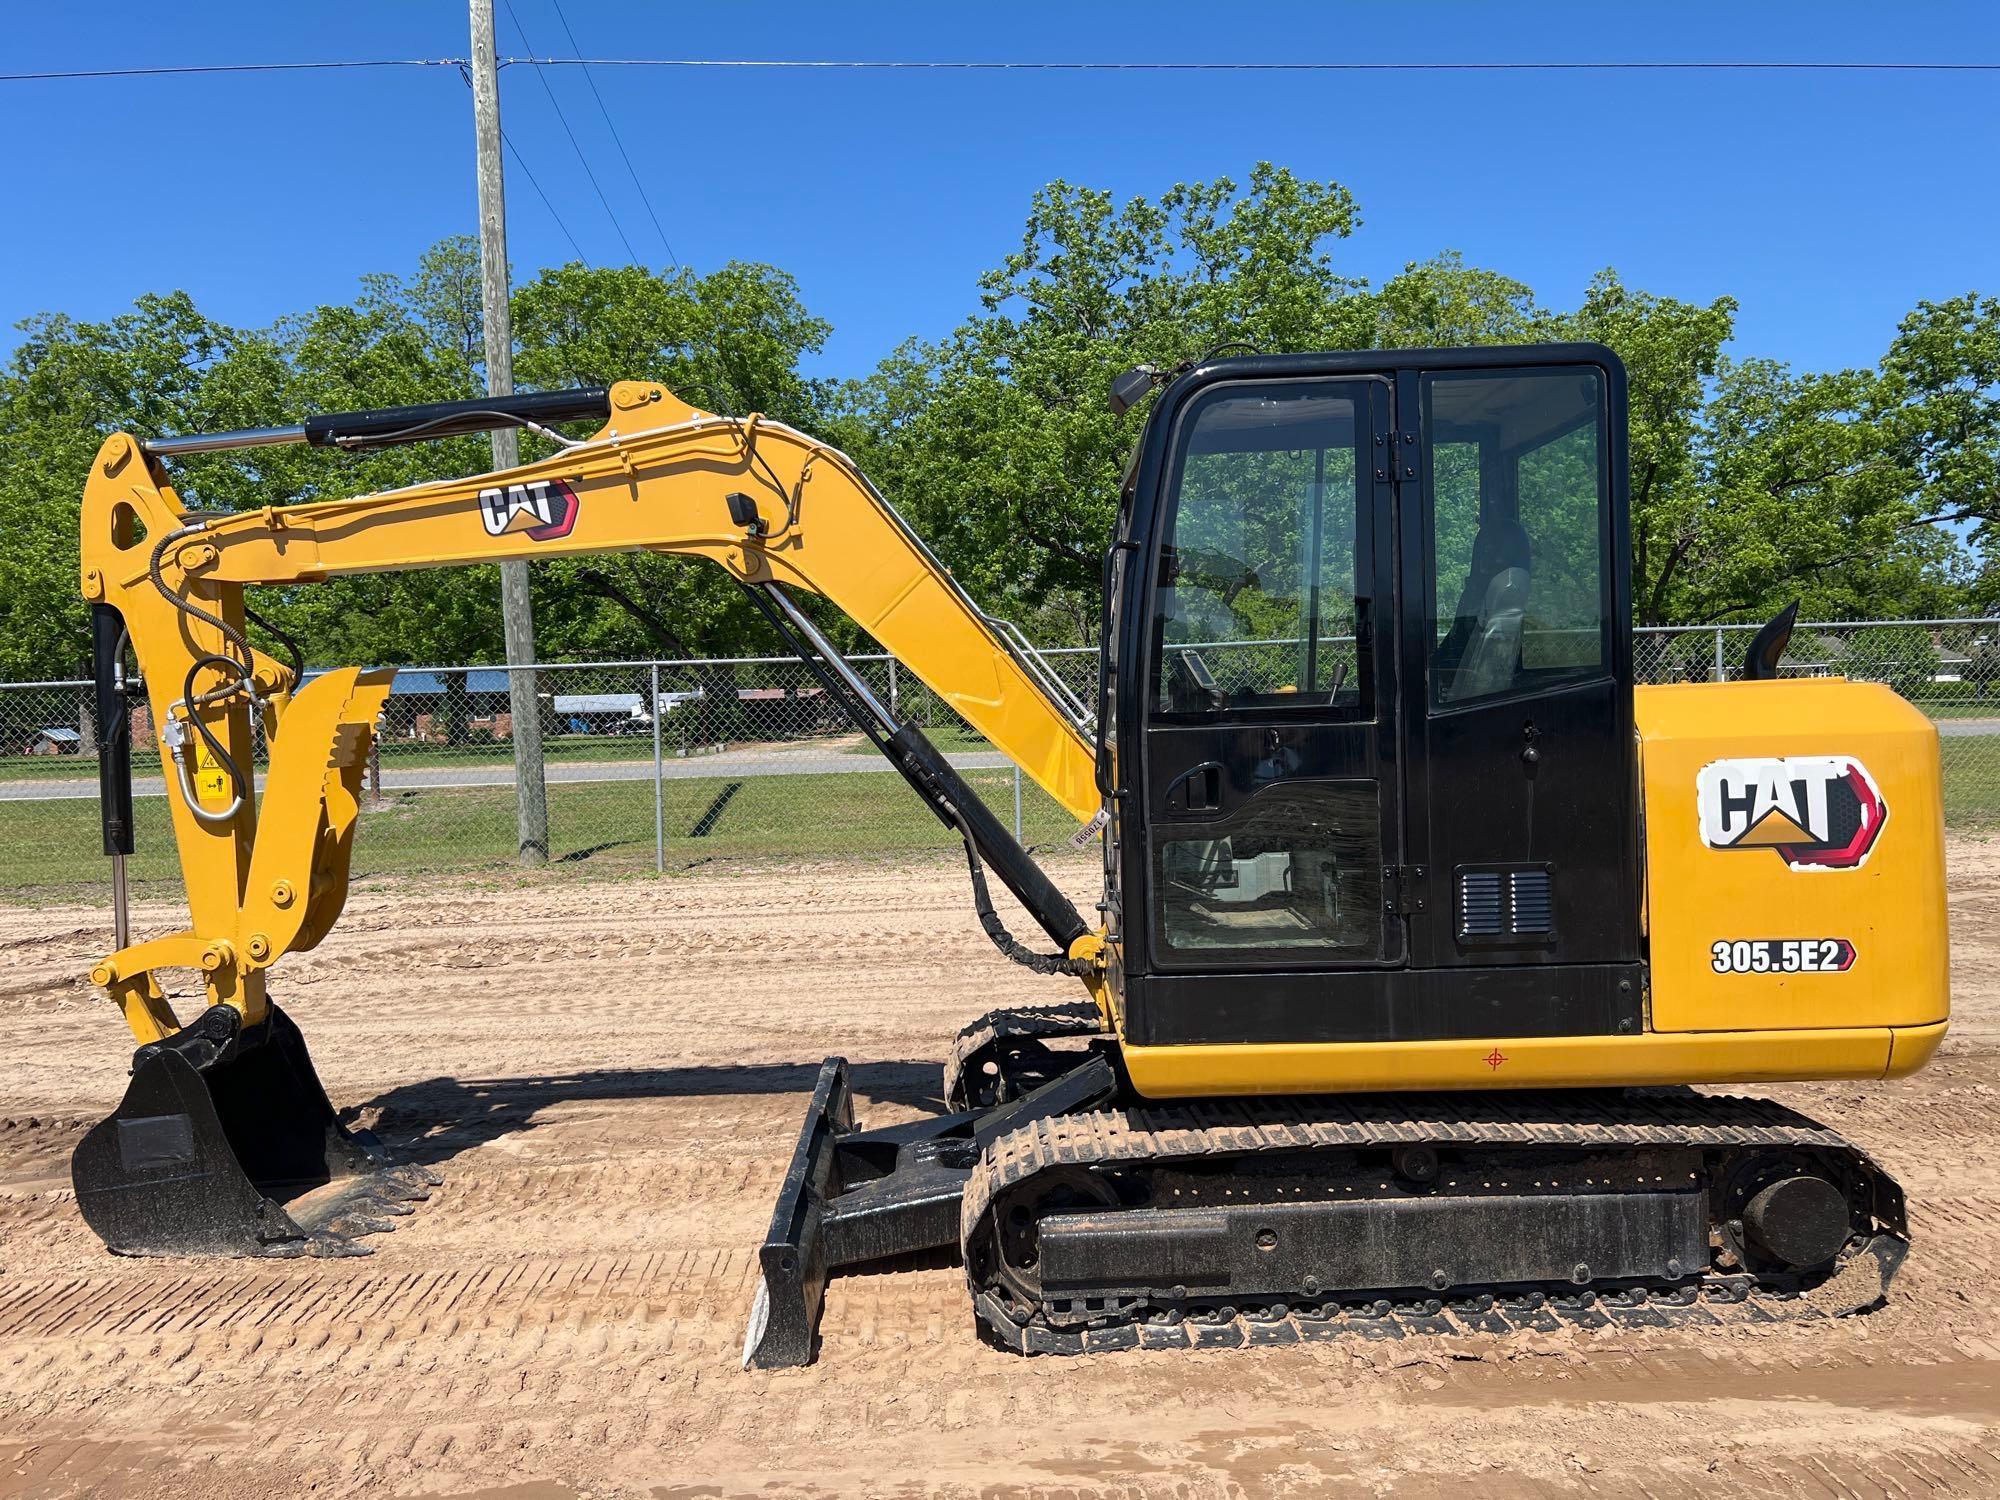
x=610 y=1077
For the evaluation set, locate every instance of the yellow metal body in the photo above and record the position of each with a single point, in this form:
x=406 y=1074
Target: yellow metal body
x=1881 y=1016
x=1532 y=1062
x=269 y=880
x=1891 y=906
x=655 y=478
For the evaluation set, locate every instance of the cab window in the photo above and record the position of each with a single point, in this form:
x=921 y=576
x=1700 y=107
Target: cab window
x=1258 y=602
x=1516 y=479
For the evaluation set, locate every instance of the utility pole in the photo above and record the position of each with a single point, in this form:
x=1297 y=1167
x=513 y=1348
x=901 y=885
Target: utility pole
x=530 y=790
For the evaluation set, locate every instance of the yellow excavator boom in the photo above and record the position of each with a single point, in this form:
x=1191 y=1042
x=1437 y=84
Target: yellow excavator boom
x=764 y=501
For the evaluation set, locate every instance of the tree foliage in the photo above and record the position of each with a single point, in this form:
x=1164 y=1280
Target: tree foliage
x=733 y=340
x=998 y=442
x=1865 y=491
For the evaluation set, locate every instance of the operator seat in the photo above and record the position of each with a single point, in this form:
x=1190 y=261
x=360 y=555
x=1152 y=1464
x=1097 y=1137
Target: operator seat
x=1498 y=580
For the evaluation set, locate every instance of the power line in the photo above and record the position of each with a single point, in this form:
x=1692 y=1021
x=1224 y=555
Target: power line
x=666 y=244
x=515 y=151
x=973 y=65
x=278 y=67
x=631 y=255
x=465 y=72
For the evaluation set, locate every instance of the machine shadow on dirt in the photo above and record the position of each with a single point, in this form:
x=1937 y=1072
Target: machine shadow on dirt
x=434 y=1120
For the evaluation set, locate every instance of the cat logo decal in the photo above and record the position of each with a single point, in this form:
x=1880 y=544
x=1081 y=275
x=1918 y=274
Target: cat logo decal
x=542 y=510
x=1816 y=812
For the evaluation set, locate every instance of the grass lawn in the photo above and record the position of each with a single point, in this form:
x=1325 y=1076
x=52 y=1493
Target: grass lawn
x=1971 y=780
x=953 y=739
x=61 y=767
x=569 y=749
x=396 y=755
x=51 y=848
x=1962 y=708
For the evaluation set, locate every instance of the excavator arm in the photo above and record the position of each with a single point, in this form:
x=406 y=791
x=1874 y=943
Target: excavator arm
x=770 y=505
x=225 y=1135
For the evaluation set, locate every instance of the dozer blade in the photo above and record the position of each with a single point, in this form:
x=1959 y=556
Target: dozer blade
x=226 y=1144
x=792 y=1259
x=853 y=1197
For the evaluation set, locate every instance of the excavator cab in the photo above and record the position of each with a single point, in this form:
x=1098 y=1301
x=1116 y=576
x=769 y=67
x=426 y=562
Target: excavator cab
x=1369 y=744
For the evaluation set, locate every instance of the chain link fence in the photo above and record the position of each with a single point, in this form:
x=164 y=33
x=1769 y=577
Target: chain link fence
x=667 y=765
x=648 y=765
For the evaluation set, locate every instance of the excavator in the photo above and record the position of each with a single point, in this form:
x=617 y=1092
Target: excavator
x=1420 y=921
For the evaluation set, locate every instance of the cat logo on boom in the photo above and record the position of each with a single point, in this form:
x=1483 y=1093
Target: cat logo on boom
x=1817 y=812
x=543 y=510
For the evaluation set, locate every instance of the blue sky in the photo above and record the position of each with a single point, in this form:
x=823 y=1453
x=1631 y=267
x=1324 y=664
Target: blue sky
x=1828 y=204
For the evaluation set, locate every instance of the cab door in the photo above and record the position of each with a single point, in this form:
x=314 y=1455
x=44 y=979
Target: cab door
x=1272 y=806
x=1522 y=762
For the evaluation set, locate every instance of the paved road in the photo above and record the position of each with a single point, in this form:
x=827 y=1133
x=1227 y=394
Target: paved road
x=734 y=763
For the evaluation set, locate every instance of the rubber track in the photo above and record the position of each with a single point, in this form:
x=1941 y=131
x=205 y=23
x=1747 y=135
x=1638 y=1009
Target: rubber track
x=1074 y=1019
x=1536 y=1312
x=1157 y=1135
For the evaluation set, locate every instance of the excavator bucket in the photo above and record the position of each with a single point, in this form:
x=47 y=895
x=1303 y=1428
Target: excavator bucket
x=225 y=1144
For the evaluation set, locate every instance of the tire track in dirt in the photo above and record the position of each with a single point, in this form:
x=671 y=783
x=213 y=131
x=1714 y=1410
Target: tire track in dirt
x=609 y=1077
x=425 y=1369
x=403 y=1302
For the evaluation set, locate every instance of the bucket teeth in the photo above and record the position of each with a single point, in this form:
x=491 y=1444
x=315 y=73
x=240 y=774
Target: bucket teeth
x=350 y=1226
x=377 y=1200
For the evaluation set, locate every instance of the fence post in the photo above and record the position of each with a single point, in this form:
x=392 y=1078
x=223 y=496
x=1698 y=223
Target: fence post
x=659 y=790
x=1017 y=804
x=892 y=690
x=1721 y=672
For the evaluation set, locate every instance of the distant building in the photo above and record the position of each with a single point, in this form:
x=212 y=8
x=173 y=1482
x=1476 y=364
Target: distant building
x=419 y=706
x=55 y=741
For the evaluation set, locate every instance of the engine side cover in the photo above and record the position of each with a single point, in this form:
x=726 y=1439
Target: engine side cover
x=1795 y=871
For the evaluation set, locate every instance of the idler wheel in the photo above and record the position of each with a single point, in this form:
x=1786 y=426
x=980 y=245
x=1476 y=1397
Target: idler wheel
x=1799 y=1222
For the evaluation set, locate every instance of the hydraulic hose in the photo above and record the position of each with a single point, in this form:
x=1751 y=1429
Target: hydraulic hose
x=1005 y=941
x=237 y=667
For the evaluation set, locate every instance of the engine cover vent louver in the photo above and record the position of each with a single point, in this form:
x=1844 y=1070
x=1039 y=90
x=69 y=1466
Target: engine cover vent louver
x=1482 y=903
x=1534 y=905
x=1505 y=904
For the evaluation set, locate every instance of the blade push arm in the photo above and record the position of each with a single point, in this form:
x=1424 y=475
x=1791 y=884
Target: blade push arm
x=760 y=499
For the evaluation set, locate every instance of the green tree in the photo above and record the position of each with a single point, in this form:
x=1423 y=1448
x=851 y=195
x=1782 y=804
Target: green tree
x=1939 y=401
x=1443 y=302
x=67 y=387
x=403 y=340
x=1671 y=350
x=1869 y=490
x=1903 y=656
x=997 y=441
x=733 y=340
x=1803 y=496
